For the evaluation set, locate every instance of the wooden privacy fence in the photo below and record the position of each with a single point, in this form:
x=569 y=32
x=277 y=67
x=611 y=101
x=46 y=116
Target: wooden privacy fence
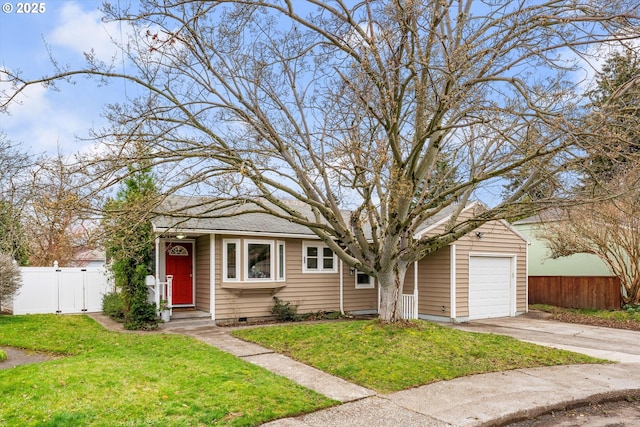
x=596 y=292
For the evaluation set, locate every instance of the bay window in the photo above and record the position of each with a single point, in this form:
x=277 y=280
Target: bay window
x=246 y=260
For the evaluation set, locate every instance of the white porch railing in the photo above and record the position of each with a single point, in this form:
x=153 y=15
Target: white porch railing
x=409 y=306
x=160 y=290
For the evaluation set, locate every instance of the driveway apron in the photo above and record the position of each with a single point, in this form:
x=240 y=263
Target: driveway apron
x=617 y=345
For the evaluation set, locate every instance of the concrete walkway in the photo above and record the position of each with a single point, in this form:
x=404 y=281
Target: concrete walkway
x=479 y=400
x=328 y=385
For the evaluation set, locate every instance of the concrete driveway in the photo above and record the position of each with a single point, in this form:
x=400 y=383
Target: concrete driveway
x=612 y=344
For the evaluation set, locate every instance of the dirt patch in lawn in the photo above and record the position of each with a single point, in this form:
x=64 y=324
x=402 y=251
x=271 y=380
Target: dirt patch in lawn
x=18 y=357
x=595 y=321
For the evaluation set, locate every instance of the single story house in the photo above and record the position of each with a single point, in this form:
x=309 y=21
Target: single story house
x=232 y=266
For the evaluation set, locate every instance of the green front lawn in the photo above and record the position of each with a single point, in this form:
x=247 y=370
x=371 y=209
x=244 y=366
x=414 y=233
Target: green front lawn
x=391 y=358
x=117 y=379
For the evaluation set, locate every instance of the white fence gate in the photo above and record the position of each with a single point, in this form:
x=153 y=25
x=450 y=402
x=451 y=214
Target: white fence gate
x=61 y=290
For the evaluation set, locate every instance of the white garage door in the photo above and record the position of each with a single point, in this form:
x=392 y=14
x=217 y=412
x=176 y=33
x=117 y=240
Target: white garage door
x=490 y=287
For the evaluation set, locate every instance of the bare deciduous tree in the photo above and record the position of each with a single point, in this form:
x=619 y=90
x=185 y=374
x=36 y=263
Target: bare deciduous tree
x=14 y=194
x=356 y=105
x=57 y=227
x=609 y=229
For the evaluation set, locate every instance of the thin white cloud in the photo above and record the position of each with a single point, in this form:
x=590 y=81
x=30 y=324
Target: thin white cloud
x=36 y=121
x=594 y=59
x=42 y=119
x=83 y=31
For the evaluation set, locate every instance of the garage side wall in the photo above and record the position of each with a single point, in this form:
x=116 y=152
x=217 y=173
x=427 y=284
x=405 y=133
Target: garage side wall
x=434 y=279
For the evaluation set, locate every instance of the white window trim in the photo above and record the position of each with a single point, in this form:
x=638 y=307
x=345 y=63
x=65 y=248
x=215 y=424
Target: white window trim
x=281 y=274
x=370 y=285
x=272 y=259
x=320 y=268
x=225 y=278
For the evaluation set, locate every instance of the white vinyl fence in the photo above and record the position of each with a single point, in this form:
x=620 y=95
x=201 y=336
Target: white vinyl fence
x=61 y=290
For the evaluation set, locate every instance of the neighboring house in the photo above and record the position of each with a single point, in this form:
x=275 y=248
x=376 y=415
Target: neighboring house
x=541 y=263
x=86 y=257
x=231 y=267
x=575 y=281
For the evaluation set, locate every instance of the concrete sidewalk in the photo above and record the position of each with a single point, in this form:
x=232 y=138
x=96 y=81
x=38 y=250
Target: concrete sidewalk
x=478 y=400
x=482 y=400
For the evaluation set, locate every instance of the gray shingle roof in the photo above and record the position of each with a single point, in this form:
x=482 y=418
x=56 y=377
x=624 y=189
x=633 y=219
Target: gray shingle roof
x=197 y=213
x=194 y=213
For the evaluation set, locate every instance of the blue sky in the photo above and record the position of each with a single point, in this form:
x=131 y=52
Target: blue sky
x=48 y=120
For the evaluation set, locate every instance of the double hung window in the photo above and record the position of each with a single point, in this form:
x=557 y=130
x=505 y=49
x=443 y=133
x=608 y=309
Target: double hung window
x=318 y=258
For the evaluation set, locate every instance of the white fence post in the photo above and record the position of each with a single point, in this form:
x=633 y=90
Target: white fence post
x=169 y=294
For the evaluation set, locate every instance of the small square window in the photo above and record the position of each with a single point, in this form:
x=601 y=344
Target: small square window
x=318 y=258
x=364 y=281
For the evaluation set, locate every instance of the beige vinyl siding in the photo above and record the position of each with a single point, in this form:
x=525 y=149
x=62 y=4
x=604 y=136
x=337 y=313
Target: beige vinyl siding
x=434 y=290
x=358 y=299
x=310 y=291
x=496 y=238
x=408 y=280
x=203 y=288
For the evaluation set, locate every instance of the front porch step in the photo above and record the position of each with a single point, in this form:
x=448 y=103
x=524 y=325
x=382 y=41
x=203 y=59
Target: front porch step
x=188 y=318
x=185 y=324
x=181 y=314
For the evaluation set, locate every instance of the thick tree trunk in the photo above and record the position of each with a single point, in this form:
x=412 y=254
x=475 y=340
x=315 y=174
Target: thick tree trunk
x=391 y=283
x=632 y=291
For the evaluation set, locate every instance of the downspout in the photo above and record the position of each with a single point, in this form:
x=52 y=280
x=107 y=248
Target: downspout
x=452 y=286
x=415 y=289
x=341 y=288
x=378 y=298
x=212 y=275
x=526 y=279
x=157 y=272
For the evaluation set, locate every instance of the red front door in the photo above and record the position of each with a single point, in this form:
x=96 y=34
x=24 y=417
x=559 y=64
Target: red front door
x=179 y=264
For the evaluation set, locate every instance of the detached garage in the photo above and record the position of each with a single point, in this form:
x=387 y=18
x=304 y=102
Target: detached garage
x=482 y=275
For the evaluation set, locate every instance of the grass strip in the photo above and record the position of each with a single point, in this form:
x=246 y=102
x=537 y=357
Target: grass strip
x=126 y=379
x=390 y=358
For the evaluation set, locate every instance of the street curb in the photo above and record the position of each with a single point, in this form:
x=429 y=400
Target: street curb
x=534 y=412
